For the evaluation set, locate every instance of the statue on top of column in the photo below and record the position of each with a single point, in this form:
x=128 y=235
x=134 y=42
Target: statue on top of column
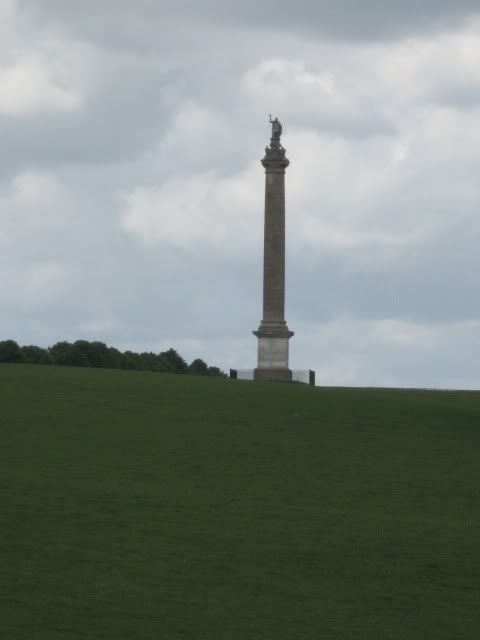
x=276 y=128
x=275 y=153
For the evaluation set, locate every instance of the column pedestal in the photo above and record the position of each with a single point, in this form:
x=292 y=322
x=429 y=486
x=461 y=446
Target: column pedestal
x=273 y=340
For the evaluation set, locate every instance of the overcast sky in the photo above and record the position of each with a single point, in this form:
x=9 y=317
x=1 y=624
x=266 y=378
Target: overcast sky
x=131 y=192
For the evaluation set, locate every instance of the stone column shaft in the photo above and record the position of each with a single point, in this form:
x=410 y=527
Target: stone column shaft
x=274 y=248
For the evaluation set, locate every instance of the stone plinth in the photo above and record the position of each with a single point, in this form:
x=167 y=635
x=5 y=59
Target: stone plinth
x=273 y=338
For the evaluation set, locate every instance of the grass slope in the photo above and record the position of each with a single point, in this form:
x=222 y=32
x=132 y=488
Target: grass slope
x=148 y=506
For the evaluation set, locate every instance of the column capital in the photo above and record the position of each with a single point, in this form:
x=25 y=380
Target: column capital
x=274 y=160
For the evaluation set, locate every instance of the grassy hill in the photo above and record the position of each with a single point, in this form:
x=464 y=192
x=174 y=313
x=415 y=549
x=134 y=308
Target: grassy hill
x=148 y=506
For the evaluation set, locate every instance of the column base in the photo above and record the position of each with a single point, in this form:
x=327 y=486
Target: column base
x=273 y=338
x=272 y=375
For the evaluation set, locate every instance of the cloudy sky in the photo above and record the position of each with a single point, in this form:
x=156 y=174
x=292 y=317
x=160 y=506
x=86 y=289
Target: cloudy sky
x=131 y=192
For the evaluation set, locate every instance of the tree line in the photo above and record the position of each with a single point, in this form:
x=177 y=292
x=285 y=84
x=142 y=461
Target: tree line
x=83 y=353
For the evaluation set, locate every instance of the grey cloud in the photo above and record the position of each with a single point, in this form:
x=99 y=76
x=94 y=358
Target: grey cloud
x=343 y=19
x=441 y=283
x=120 y=119
x=464 y=96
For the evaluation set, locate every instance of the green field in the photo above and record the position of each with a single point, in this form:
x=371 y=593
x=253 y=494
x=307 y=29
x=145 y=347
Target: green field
x=153 y=506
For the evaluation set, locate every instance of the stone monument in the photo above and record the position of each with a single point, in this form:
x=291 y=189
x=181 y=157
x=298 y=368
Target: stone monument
x=273 y=334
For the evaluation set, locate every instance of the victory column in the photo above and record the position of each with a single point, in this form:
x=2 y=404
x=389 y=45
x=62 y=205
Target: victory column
x=273 y=334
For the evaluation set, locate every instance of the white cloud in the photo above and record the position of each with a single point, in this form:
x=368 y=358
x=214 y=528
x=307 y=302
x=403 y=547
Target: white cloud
x=425 y=68
x=34 y=188
x=31 y=84
x=389 y=352
x=34 y=209
x=34 y=201
x=378 y=196
x=32 y=286
x=40 y=70
x=367 y=199
x=202 y=211
x=359 y=80
x=299 y=88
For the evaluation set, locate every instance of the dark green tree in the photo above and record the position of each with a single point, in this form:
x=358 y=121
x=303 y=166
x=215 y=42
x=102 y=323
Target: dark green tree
x=83 y=353
x=149 y=361
x=175 y=361
x=59 y=351
x=215 y=372
x=67 y=354
x=98 y=354
x=115 y=358
x=130 y=361
x=32 y=354
x=198 y=367
x=10 y=351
